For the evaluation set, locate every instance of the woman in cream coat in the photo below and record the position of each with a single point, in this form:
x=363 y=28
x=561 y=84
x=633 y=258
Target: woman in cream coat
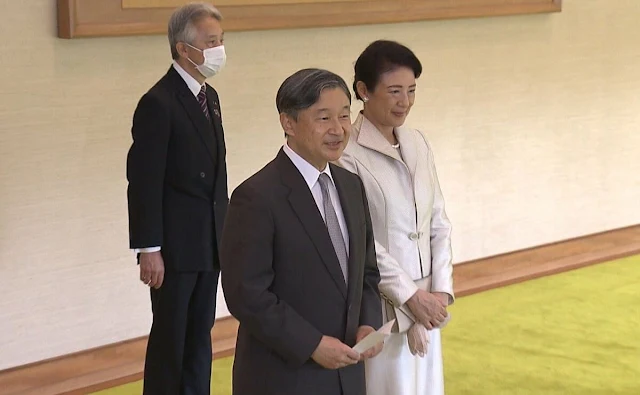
x=413 y=234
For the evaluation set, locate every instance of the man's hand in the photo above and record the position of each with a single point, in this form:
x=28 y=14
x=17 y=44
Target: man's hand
x=331 y=353
x=152 y=269
x=363 y=331
x=427 y=309
x=418 y=339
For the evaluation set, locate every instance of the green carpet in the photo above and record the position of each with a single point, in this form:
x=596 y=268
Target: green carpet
x=572 y=333
x=220 y=381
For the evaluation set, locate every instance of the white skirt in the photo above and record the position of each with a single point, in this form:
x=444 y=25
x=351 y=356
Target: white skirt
x=396 y=372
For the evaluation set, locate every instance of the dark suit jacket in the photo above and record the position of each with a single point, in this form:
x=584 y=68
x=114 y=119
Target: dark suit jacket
x=282 y=281
x=177 y=176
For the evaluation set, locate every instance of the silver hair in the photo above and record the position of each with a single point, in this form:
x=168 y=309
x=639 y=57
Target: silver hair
x=182 y=23
x=303 y=88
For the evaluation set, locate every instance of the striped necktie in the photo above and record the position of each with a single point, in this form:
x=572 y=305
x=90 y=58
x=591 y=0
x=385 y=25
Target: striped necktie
x=202 y=99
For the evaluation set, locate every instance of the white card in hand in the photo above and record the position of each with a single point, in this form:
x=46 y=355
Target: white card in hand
x=374 y=338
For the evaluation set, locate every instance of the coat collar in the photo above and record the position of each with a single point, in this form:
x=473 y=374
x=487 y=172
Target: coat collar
x=208 y=132
x=304 y=205
x=368 y=136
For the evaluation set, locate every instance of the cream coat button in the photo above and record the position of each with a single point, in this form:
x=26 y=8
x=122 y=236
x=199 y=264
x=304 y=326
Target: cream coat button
x=413 y=236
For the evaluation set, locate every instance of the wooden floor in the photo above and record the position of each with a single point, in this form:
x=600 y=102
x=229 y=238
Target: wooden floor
x=120 y=363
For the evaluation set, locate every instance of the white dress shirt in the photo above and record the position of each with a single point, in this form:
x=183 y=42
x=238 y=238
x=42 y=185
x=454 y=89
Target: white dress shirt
x=311 y=176
x=192 y=83
x=195 y=87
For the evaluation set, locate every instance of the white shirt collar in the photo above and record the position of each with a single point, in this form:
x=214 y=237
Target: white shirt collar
x=308 y=171
x=192 y=83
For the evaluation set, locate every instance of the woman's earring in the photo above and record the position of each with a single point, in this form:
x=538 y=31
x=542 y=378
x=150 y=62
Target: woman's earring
x=366 y=99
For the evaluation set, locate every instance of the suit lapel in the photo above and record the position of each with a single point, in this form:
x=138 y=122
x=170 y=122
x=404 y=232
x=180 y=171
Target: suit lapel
x=369 y=137
x=192 y=107
x=350 y=210
x=304 y=206
x=214 y=112
x=216 y=120
x=420 y=172
x=409 y=148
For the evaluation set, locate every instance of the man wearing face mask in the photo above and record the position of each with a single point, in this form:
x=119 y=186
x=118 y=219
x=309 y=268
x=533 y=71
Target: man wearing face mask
x=177 y=198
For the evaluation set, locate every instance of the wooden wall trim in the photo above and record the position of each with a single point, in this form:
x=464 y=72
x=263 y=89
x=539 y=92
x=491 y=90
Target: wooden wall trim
x=120 y=363
x=66 y=18
x=501 y=270
x=92 y=18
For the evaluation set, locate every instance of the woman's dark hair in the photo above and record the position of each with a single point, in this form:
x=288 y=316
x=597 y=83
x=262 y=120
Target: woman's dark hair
x=380 y=57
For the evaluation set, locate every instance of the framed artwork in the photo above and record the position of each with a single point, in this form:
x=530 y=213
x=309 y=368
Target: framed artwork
x=93 y=18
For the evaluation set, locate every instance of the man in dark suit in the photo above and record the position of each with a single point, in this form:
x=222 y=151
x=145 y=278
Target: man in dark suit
x=297 y=254
x=178 y=199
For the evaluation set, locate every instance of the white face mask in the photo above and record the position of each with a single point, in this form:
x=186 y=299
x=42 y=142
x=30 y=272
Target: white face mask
x=214 y=60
